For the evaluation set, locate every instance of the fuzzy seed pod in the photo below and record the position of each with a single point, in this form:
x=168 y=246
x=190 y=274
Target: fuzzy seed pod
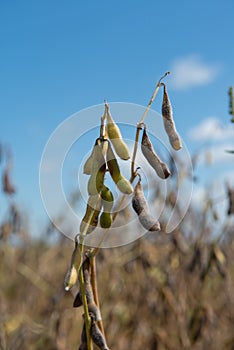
x=96 y=179
x=96 y=334
x=153 y=159
x=107 y=203
x=72 y=274
x=148 y=221
x=87 y=169
x=107 y=199
x=83 y=345
x=94 y=205
x=122 y=183
x=168 y=121
x=116 y=138
x=140 y=206
x=105 y=220
x=88 y=292
x=78 y=299
x=112 y=164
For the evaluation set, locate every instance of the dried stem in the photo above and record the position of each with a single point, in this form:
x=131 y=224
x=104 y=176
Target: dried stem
x=95 y=290
x=139 y=125
x=103 y=119
x=82 y=283
x=86 y=310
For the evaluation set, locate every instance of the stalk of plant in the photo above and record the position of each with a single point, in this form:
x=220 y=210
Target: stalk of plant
x=103 y=162
x=141 y=122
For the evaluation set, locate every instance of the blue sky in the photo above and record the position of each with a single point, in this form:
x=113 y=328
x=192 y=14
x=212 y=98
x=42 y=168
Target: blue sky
x=58 y=57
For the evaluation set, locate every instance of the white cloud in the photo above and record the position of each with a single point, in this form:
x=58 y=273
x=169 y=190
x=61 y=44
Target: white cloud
x=191 y=71
x=216 y=139
x=211 y=129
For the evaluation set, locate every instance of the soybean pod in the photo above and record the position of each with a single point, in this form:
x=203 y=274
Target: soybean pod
x=76 y=262
x=116 y=139
x=121 y=182
x=152 y=158
x=96 y=179
x=168 y=121
x=107 y=204
x=93 y=209
x=140 y=206
x=96 y=335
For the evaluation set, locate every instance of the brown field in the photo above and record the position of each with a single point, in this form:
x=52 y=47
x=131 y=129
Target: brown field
x=161 y=292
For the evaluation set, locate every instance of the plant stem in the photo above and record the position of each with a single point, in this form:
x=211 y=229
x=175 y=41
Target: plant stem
x=103 y=126
x=82 y=282
x=86 y=310
x=133 y=172
x=93 y=273
x=139 y=125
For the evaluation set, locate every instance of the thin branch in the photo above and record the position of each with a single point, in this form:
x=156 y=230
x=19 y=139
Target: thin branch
x=86 y=310
x=93 y=274
x=139 y=125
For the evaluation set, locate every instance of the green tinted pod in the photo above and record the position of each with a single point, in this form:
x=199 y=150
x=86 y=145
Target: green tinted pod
x=107 y=203
x=93 y=209
x=72 y=274
x=112 y=164
x=96 y=179
x=124 y=185
x=115 y=136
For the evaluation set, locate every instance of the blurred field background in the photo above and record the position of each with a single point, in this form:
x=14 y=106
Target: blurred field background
x=160 y=292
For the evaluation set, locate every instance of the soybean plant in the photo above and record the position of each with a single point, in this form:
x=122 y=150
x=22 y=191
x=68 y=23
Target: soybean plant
x=102 y=161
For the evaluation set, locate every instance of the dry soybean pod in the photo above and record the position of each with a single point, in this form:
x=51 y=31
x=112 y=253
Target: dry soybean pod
x=94 y=205
x=92 y=307
x=107 y=204
x=152 y=158
x=168 y=121
x=122 y=183
x=76 y=261
x=83 y=344
x=96 y=335
x=140 y=206
x=116 y=139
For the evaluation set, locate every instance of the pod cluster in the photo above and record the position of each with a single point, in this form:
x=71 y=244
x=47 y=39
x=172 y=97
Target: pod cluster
x=139 y=203
x=102 y=160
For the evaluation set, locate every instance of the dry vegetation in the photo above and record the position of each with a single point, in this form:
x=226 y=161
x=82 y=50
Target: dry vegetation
x=158 y=293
